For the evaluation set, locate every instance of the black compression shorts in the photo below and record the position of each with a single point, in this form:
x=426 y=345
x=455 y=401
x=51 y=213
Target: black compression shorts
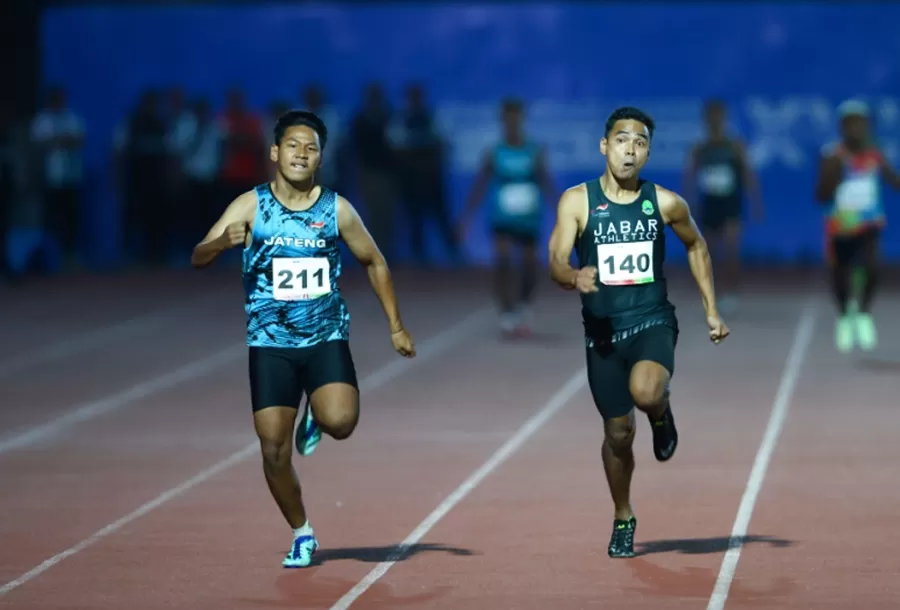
x=519 y=236
x=280 y=376
x=844 y=250
x=609 y=366
x=716 y=212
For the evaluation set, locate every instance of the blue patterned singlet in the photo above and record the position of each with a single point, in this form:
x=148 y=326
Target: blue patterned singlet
x=517 y=202
x=291 y=270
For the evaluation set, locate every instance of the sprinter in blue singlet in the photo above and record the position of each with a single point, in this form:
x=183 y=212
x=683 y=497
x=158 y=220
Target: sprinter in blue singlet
x=298 y=327
x=290 y=270
x=515 y=171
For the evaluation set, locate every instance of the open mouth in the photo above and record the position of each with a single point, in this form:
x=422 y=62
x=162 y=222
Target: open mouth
x=299 y=166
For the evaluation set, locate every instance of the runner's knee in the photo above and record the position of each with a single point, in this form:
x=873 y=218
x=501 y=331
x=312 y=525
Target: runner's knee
x=619 y=433
x=336 y=409
x=276 y=452
x=274 y=428
x=339 y=423
x=648 y=385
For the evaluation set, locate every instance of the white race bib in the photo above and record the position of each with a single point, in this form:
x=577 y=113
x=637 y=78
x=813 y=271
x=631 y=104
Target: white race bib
x=624 y=264
x=718 y=180
x=518 y=199
x=300 y=279
x=857 y=194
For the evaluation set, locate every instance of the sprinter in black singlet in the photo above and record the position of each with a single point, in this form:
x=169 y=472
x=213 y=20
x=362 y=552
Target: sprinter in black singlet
x=719 y=174
x=616 y=224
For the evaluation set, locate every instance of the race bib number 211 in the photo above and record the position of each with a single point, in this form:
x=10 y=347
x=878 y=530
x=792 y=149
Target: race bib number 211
x=300 y=279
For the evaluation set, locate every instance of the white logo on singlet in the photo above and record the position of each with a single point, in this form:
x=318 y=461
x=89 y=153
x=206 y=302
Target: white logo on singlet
x=626 y=231
x=295 y=242
x=625 y=251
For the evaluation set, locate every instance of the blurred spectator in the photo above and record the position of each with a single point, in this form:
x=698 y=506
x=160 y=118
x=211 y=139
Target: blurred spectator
x=58 y=132
x=199 y=138
x=6 y=152
x=179 y=120
x=142 y=165
x=420 y=159
x=176 y=114
x=26 y=239
x=276 y=109
x=244 y=164
x=330 y=174
x=375 y=166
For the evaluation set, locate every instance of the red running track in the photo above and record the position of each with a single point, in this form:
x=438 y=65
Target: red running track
x=130 y=477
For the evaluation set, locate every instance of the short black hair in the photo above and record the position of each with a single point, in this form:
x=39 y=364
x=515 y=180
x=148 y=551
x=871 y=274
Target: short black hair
x=626 y=113
x=512 y=104
x=293 y=118
x=715 y=103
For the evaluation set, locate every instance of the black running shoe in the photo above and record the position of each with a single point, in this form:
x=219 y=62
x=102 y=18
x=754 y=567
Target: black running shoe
x=621 y=544
x=665 y=436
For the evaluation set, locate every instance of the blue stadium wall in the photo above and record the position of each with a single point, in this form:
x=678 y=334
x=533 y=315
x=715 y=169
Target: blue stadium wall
x=783 y=68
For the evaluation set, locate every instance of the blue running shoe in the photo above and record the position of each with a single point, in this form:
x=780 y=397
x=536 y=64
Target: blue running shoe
x=308 y=433
x=301 y=552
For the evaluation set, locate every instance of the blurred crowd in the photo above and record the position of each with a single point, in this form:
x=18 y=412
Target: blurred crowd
x=176 y=161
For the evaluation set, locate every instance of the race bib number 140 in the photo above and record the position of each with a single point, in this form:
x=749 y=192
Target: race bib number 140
x=624 y=264
x=300 y=279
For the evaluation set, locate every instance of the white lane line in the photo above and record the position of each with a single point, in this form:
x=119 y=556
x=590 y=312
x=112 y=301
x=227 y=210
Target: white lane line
x=559 y=400
x=426 y=351
x=139 y=391
x=780 y=406
x=142 y=324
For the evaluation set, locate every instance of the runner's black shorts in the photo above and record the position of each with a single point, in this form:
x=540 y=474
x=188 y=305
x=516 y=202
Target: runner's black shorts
x=279 y=376
x=845 y=250
x=717 y=212
x=520 y=236
x=609 y=366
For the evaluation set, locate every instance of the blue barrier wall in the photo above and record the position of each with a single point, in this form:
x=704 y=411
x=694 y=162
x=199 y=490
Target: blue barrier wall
x=782 y=68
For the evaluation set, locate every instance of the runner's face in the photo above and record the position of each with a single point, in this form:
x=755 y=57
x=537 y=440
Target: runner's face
x=298 y=154
x=627 y=148
x=855 y=129
x=512 y=122
x=715 y=118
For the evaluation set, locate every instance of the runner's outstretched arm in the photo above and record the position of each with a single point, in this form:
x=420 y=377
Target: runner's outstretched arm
x=357 y=237
x=677 y=215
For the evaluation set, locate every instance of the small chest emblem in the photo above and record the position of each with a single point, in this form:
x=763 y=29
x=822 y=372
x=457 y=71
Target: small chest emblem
x=647 y=207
